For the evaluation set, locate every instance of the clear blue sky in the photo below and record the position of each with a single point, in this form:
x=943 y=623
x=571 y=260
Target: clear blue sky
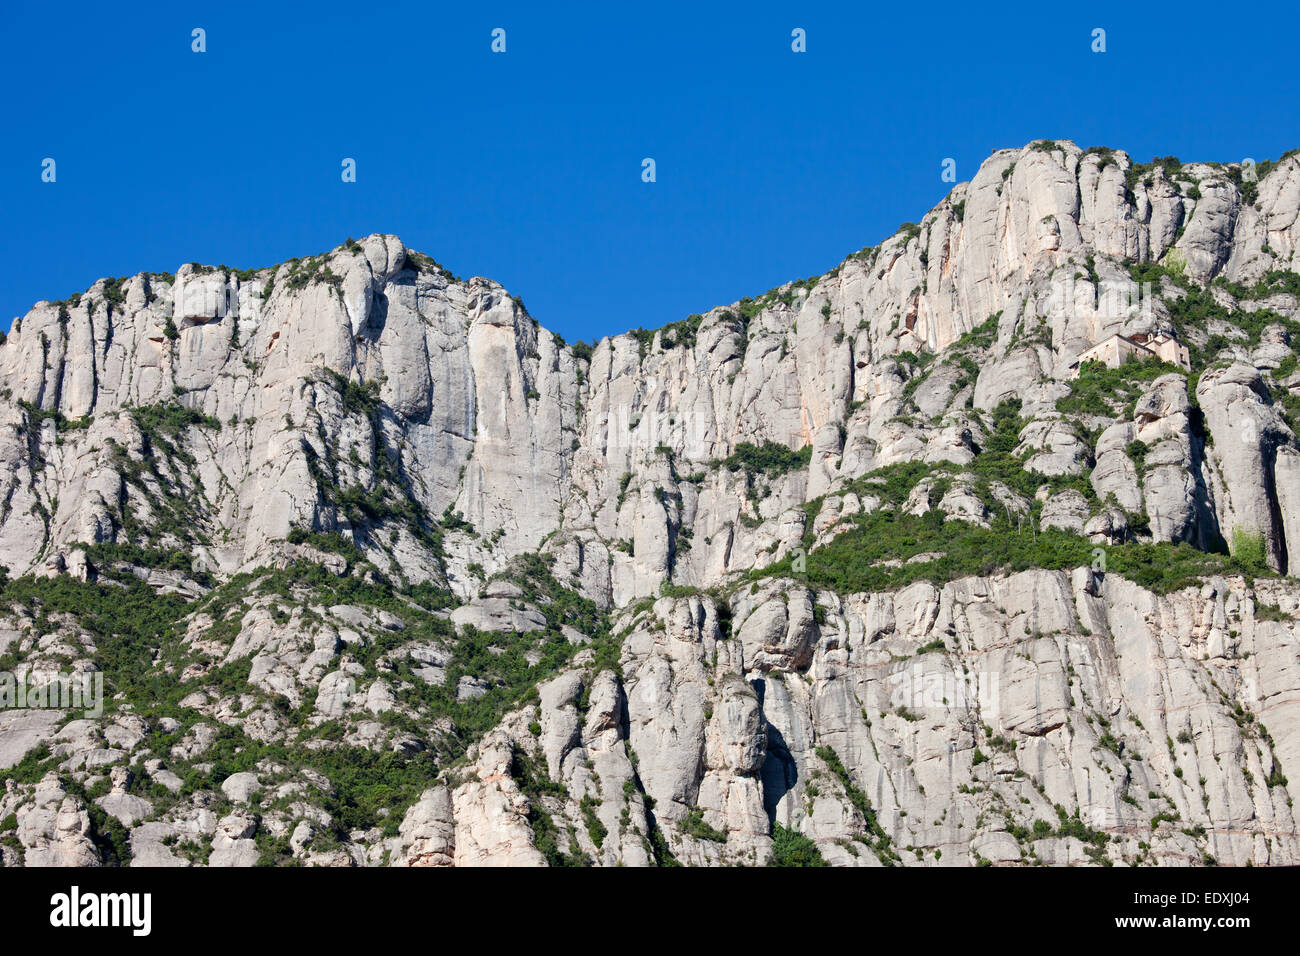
x=526 y=167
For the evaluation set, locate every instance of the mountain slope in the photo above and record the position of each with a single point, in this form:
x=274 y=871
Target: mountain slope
x=361 y=506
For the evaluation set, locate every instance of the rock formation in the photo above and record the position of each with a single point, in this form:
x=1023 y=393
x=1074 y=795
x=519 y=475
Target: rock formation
x=379 y=571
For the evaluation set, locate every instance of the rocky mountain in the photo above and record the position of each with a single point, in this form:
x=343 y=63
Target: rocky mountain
x=870 y=569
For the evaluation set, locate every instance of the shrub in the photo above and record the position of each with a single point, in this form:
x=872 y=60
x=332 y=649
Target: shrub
x=695 y=826
x=1101 y=390
x=170 y=419
x=791 y=848
x=770 y=458
x=1137 y=451
x=1248 y=551
x=595 y=829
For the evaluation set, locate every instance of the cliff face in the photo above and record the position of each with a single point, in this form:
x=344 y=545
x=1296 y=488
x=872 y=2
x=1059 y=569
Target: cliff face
x=205 y=436
x=927 y=726
x=484 y=411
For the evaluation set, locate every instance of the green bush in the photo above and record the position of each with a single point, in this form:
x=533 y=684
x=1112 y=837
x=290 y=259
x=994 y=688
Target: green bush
x=1248 y=551
x=595 y=829
x=791 y=848
x=1101 y=390
x=1137 y=451
x=770 y=458
x=170 y=419
x=37 y=415
x=695 y=826
x=876 y=837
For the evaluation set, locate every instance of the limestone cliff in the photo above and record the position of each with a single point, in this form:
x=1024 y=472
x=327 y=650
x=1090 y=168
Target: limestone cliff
x=863 y=570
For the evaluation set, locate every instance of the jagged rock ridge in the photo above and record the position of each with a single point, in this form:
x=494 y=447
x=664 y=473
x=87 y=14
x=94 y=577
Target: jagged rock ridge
x=367 y=413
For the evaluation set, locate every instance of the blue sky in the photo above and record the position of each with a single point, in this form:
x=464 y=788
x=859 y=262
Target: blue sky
x=526 y=167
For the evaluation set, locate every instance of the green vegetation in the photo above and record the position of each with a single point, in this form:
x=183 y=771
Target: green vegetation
x=37 y=416
x=127 y=620
x=876 y=837
x=168 y=420
x=768 y=461
x=595 y=829
x=330 y=541
x=1137 y=453
x=855 y=561
x=1106 y=153
x=105 y=554
x=1266 y=166
x=502 y=660
x=114 y=294
x=1171 y=166
x=873 y=555
x=1248 y=551
x=1071 y=825
x=108 y=835
x=138 y=638
x=534 y=784
x=1105 y=392
x=386 y=496
x=165 y=475
x=682 y=333
x=1274 y=282
x=1195 y=306
x=30 y=769
x=792 y=848
x=1249 y=188
x=770 y=458
x=980 y=337
x=694 y=826
x=305 y=272
x=358 y=398
x=422 y=263
x=1271 y=612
